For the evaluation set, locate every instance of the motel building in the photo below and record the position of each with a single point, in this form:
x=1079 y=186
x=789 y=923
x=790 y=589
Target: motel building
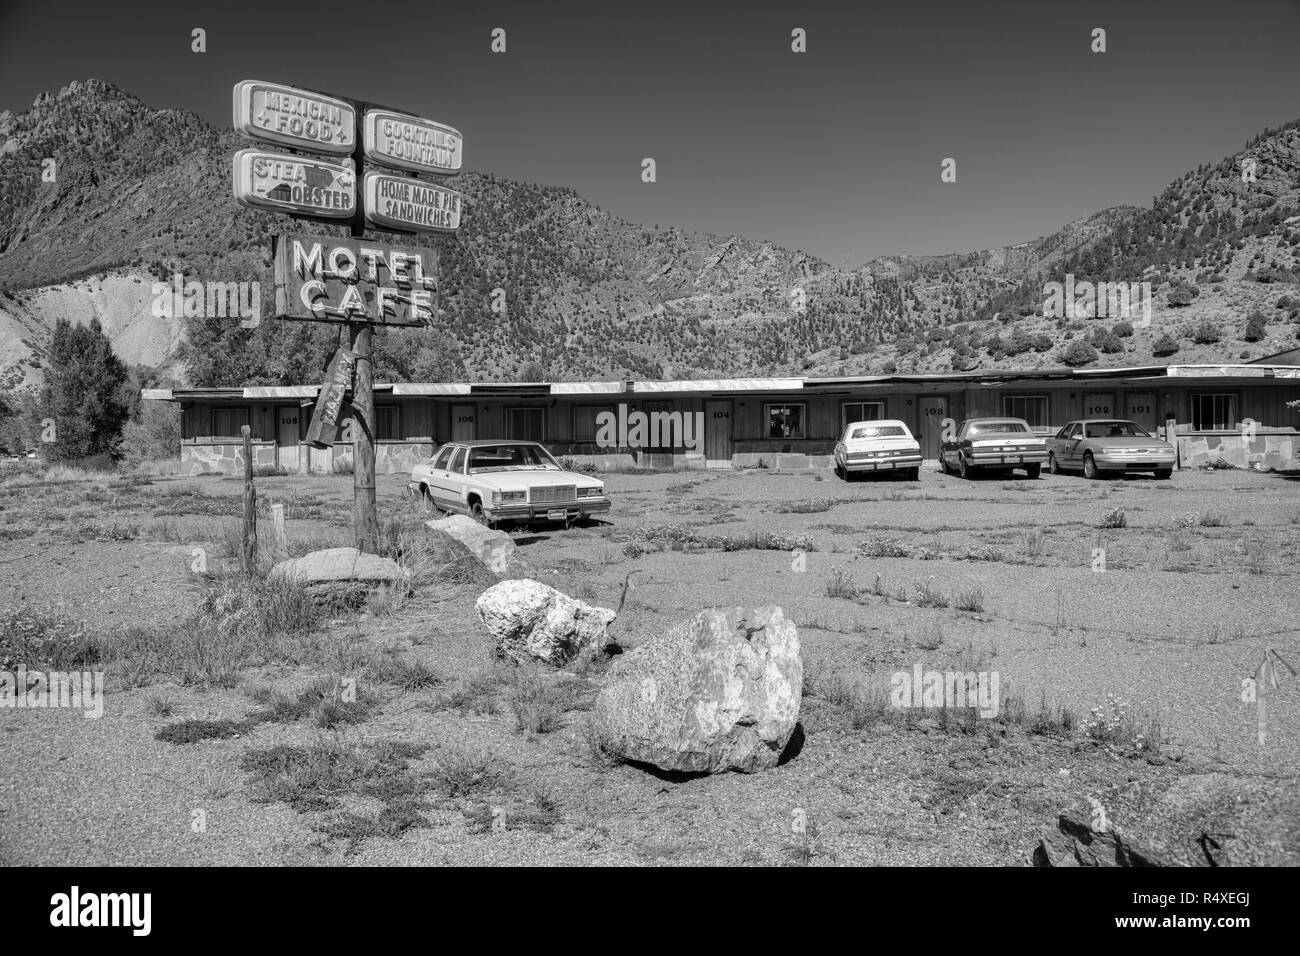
x=779 y=423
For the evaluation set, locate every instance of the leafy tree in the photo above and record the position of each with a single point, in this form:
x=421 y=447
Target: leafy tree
x=84 y=393
x=1256 y=327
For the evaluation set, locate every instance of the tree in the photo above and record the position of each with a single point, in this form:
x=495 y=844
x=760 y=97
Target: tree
x=1256 y=327
x=82 y=404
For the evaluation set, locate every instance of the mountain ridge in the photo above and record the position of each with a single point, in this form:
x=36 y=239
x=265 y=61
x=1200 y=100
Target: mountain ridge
x=143 y=193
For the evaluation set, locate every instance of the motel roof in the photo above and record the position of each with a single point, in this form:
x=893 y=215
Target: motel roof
x=990 y=378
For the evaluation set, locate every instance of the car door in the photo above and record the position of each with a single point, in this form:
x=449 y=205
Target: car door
x=438 y=478
x=1072 y=452
x=453 y=481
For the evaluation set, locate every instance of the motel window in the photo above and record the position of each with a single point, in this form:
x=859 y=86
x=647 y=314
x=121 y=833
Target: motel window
x=1032 y=408
x=388 y=422
x=227 y=422
x=787 y=420
x=1214 y=411
x=585 y=426
x=863 y=412
x=525 y=424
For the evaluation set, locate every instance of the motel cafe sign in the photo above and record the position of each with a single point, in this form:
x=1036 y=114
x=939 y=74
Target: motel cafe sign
x=331 y=279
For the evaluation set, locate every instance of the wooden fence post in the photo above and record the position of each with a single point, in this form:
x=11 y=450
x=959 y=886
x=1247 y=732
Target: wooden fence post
x=249 y=552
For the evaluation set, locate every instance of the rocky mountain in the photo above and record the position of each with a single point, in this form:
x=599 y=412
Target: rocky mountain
x=139 y=194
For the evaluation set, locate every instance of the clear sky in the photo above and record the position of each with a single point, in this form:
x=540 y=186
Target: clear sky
x=835 y=151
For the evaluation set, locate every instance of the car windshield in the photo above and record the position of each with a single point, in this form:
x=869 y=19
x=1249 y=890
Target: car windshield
x=995 y=428
x=518 y=457
x=1114 y=430
x=878 y=431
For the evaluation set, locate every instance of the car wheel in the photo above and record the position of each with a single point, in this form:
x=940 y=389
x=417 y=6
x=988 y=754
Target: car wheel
x=914 y=474
x=839 y=471
x=963 y=470
x=478 y=514
x=1033 y=471
x=1052 y=466
x=1163 y=473
x=943 y=466
x=1090 y=467
x=427 y=502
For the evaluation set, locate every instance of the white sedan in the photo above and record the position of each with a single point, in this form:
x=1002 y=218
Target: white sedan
x=885 y=445
x=494 y=481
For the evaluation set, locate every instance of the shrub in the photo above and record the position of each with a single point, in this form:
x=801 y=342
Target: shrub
x=1205 y=333
x=1115 y=518
x=1165 y=345
x=1122 y=330
x=1078 y=353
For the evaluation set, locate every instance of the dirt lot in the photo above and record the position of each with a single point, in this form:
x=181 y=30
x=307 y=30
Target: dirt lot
x=448 y=757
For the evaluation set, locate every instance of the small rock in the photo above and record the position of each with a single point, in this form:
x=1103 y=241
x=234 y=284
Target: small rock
x=533 y=621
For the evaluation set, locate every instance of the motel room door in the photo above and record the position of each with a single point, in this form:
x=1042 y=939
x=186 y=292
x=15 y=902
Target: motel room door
x=717 y=434
x=1098 y=404
x=462 y=422
x=288 y=440
x=660 y=456
x=934 y=409
x=1140 y=407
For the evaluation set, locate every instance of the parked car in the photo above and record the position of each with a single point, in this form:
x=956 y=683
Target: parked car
x=993 y=444
x=1105 y=445
x=495 y=481
x=885 y=445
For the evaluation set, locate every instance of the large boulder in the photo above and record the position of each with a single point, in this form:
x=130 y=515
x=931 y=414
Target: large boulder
x=342 y=575
x=494 y=548
x=719 y=692
x=531 y=621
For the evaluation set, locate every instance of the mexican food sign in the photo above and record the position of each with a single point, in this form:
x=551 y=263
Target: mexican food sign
x=295 y=184
x=411 y=143
x=409 y=205
x=275 y=113
x=333 y=279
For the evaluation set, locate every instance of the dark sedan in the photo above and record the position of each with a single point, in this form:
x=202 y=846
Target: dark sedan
x=994 y=445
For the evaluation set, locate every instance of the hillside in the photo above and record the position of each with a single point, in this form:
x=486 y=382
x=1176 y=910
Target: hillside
x=142 y=193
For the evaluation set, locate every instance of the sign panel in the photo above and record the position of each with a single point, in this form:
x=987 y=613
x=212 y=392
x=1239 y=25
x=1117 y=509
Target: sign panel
x=332 y=279
x=295 y=184
x=324 y=429
x=409 y=142
x=275 y=113
x=399 y=202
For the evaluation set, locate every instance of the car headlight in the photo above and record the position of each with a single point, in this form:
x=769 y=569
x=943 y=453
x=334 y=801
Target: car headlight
x=510 y=495
x=590 y=492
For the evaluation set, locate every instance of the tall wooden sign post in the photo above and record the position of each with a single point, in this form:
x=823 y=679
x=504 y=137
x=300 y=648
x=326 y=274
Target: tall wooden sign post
x=352 y=281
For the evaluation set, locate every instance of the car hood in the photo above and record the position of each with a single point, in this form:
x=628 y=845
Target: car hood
x=535 y=479
x=1153 y=443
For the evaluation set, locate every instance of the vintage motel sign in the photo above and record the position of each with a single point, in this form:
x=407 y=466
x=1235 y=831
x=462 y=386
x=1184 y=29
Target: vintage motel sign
x=275 y=113
x=407 y=142
x=409 y=205
x=324 y=429
x=295 y=184
x=333 y=279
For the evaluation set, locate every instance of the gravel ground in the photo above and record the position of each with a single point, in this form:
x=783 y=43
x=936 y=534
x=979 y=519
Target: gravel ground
x=1181 y=614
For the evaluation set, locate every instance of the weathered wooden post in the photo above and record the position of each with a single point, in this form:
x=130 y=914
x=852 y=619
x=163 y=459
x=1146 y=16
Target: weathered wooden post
x=249 y=550
x=277 y=530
